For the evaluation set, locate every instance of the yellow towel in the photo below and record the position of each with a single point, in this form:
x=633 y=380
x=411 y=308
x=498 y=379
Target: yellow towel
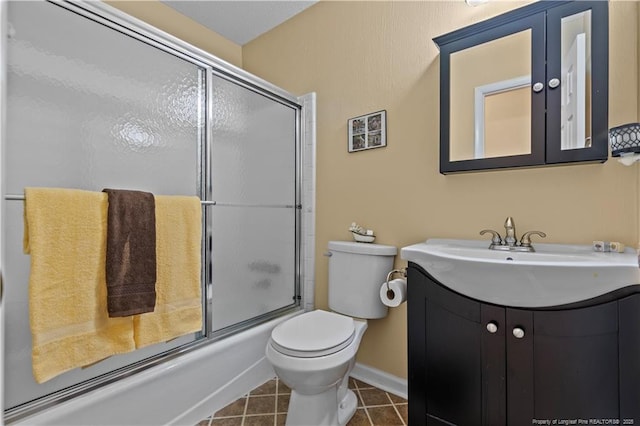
x=178 y=308
x=65 y=233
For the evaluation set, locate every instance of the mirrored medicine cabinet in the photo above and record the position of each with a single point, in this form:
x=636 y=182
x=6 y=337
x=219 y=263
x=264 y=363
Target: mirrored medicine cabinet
x=526 y=88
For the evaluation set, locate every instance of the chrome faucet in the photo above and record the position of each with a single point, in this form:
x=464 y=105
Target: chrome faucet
x=510 y=242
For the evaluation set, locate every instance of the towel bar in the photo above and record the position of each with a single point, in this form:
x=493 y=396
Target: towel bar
x=19 y=197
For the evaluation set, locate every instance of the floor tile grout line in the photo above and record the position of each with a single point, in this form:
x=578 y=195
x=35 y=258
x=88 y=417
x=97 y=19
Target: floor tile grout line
x=278 y=395
x=378 y=405
x=392 y=404
x=399 y=416
x=389 y=397
x=366 y=412
x=275 y=408
x=244 y=412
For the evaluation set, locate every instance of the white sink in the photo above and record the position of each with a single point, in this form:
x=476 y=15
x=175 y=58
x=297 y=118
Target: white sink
x=555 y=274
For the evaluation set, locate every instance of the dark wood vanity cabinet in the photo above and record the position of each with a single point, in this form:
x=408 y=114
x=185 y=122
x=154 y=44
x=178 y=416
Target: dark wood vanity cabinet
x=475 y=363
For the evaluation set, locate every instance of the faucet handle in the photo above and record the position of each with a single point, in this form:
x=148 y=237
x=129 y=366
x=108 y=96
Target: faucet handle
x=495 y=237
x=525 y=241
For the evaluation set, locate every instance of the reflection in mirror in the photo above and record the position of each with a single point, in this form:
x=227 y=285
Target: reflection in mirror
x=575 y=122
x=490 y=92
x=503 y=118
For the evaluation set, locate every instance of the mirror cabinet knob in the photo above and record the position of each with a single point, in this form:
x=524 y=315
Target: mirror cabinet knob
x=554 y=82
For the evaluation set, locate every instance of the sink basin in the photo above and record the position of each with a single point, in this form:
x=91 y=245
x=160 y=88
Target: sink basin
x=555 y=274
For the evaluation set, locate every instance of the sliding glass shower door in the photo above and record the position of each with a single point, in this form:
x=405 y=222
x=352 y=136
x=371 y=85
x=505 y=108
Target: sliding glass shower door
x=87 y=108
x=253 y=173
x=94 y=101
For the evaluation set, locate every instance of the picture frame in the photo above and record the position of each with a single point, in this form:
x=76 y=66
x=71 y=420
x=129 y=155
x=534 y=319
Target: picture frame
x=367 y=131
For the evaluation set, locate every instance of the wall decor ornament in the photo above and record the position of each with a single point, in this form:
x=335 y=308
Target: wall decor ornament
x=367 y=131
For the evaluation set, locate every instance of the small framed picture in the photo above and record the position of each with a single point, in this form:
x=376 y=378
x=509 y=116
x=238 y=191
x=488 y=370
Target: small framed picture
x=368 y=131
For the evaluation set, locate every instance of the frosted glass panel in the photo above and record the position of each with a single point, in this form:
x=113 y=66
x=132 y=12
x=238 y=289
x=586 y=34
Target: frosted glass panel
x=253 y=262
x=87 y=107
x=18 y=378
x=253 y=147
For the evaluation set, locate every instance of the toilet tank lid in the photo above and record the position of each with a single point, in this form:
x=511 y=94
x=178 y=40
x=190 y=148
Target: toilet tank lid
x=363 y=248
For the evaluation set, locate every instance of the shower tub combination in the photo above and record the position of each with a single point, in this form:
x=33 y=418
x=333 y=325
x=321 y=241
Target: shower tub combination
x=96 y=99
x=180 y=391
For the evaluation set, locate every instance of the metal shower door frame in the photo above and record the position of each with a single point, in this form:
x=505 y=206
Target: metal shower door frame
x=117 y=20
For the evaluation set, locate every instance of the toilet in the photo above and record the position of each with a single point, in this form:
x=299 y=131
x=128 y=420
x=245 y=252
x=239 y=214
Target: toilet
x=313 y=353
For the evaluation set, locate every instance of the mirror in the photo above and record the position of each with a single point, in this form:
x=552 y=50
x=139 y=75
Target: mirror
x=575 y=107
x=490 y=92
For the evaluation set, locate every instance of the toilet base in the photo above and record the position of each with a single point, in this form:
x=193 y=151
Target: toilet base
x=321 y=409
x=347 y=407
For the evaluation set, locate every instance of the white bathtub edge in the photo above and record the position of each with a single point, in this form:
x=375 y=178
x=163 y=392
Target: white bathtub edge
x=191 y=387
x=251 y=378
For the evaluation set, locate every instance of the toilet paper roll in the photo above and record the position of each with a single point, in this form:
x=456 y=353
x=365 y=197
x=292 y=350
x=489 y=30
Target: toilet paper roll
x=396 y=294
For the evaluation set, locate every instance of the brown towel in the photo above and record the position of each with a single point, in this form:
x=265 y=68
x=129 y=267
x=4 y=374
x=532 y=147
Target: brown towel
x=131 y=252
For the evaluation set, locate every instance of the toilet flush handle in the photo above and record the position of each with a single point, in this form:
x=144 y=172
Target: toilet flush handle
x=327 y=253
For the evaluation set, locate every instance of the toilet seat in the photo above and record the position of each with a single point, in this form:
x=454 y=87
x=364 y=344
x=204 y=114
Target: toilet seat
x=313 y=334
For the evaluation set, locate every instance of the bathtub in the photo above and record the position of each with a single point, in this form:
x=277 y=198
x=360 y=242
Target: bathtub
x=182 y=391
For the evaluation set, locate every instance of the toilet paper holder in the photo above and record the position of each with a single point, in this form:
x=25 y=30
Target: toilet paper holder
x=402 y=272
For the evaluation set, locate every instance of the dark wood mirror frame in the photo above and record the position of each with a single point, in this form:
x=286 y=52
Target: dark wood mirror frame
x=544 y=20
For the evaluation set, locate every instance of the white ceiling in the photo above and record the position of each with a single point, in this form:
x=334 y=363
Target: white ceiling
x=239 y=20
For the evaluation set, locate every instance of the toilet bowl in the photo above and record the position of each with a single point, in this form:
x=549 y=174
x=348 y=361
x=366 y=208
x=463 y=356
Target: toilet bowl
x=313 y=353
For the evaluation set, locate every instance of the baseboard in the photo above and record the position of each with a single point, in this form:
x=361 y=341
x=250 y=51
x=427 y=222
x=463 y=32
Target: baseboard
x=380 y=379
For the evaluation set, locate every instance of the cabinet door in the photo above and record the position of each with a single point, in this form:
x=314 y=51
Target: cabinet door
x=416 y=340
x=629 y=332
x=520 y=367
x=577 y=107
x=445 y=367
x=453 y=373
x=491 y=117
x=493 y=365
x=565 y=366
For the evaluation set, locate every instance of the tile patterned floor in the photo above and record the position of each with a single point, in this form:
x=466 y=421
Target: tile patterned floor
x=267 y=405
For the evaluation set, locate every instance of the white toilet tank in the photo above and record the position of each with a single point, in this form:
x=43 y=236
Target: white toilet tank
x=356 y=271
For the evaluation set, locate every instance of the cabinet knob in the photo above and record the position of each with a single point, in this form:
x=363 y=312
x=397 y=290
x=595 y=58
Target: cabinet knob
x=554 y=82
x=492 y=327
x=518 y=333
x=537 y=87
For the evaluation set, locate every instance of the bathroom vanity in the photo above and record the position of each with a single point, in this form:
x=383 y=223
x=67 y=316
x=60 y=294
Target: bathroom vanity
x=500 y=359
